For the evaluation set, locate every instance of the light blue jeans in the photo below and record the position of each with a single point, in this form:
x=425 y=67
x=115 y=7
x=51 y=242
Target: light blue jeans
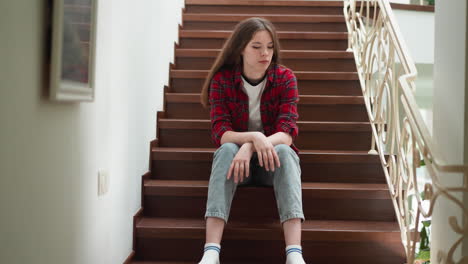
x=285 y=180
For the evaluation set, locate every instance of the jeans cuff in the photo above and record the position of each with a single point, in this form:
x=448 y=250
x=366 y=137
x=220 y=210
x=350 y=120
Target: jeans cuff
x=217 y=215
x=287 y=217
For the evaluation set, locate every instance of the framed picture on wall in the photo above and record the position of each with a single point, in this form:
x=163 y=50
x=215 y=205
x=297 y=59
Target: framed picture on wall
x=73 y=50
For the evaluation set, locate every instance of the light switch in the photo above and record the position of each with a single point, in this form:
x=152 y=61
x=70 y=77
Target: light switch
x=103 y=182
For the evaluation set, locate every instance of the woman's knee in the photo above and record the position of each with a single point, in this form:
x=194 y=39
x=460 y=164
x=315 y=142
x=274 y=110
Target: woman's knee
x=289 y=160
x=284 y=151
x=227 y=149
x=222 y=161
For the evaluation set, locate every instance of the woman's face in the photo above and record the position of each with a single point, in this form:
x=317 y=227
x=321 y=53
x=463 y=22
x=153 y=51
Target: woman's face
x=258 y=53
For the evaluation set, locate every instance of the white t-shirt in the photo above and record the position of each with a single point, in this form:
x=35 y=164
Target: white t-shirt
x=255 y=95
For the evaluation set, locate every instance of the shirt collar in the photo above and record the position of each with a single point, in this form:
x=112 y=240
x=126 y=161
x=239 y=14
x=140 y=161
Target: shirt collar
x=270 y=75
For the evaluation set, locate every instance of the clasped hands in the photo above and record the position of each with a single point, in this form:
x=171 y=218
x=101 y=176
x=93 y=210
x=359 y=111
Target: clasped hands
x=267 y=157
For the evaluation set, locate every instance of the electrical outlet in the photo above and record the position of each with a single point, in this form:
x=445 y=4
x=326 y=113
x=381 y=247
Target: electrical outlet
x=103 y=182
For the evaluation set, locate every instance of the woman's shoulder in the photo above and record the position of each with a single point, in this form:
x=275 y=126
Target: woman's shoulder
x=283 y=72
x=224 y=73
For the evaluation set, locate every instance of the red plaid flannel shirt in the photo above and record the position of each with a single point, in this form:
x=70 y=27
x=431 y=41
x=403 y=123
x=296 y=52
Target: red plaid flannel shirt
x=230 y=105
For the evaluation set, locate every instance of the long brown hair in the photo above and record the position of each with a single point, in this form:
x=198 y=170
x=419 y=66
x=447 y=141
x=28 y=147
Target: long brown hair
x=230 y=55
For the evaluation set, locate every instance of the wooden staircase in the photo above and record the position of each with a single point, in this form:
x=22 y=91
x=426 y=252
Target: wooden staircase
x=348 y=209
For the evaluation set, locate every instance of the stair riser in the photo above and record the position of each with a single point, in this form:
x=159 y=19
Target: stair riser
x=317 y=140
x=257 y=10
x=308 y=27
x=350 y=113
x=311 y=172
x=318 y=252
x=333 y=65
x=289 y=44
x=245 y=205
x=306 y=87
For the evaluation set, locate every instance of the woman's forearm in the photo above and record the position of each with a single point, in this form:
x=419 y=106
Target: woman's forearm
x=238 y=138
x=241 y=138
x=280 y=138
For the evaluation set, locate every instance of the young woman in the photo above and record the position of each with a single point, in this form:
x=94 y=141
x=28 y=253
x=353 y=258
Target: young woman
x=253 y=102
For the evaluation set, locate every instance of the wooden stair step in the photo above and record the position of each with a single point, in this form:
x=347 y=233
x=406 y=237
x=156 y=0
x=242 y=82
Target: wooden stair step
x=179 y=262
x=327 y=156
x=265 y=7
x=300 y=75
x=184 y=262
x=310 y=108
x=306 y=87
x=285 y=54
x=272 y=17
x=303 y=99
x=314 y=135
x=290 y=40
x=317 y=166
x=159 y=262
x=253 y=252
x=224 y=34
x=309 y=189
x=315 y=230
x=303 y=125
x=282 y=22
x=300 y=60
x=323 y=242
x=331 y=201
x=316 y=260
x=264 y=3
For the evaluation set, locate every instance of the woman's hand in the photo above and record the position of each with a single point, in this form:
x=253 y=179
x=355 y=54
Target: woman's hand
x=240 y=166
x=267 y=156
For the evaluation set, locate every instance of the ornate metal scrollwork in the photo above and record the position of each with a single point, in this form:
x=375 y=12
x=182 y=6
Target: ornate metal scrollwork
x=401 y=138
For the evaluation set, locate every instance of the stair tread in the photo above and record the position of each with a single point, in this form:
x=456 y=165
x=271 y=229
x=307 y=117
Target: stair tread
x=303 y=99
x=285 y=54
x=306 y=155
x=159 y=262
x=303 y=152
x=268 y=224
x=302 y=122
x=182 y=262
x=301 y=75
x=313 y=190
x=295 y=72
x=305 y=185
x=275 y=18
x=199 y=150
x=196 y=33
x=265 y=3
x=205 y=124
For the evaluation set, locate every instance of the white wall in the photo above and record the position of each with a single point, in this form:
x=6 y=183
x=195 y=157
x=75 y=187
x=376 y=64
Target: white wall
x=450 y=114
x=50 y=153
x=417 y=29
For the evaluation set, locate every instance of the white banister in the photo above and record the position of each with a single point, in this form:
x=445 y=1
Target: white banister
x=400 y=136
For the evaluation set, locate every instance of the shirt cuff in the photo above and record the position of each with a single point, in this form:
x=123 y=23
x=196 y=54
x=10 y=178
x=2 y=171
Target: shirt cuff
x=217 y=137
x=284 y=127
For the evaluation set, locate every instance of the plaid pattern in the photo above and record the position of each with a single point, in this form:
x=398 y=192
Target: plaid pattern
x=230 y=105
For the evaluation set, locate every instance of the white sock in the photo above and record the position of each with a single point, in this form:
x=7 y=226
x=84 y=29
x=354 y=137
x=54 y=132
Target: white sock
x=211 y=255
x=294 y=255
